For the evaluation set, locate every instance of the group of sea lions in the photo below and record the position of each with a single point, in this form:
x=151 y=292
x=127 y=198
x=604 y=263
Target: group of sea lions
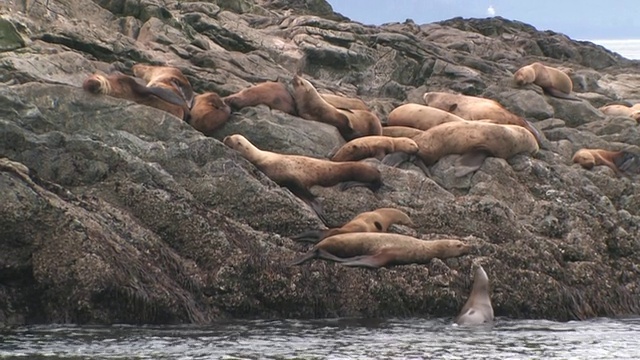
x=447 y=123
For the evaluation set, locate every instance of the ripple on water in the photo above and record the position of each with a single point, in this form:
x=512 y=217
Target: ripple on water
x=331 y=339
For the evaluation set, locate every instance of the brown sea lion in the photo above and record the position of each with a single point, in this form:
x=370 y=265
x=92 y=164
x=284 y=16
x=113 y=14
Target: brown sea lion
x=477 y=310
x=419 y=116
x=621 y=162
x=168 y=77
x=299 y=173
x=343 y=102
x=553 y=81
x=127 y=87
x=477 y=108
x=350 y=123
x=376 y=250
x=475 y=140
x=400 y=131
x=374 y=146
x=208 y=113
x=622 y=111
x=378 y=220
x=274 y=94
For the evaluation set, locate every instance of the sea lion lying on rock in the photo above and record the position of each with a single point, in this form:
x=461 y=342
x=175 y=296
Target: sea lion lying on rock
x=374 y=250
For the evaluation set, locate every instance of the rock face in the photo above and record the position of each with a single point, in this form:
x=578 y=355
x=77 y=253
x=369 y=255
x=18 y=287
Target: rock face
x=116 y=212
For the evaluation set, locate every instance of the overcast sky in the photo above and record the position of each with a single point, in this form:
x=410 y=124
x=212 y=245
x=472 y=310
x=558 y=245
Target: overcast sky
x=578 y=19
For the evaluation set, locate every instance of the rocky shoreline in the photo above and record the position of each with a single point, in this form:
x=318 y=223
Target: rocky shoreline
x=126 y=214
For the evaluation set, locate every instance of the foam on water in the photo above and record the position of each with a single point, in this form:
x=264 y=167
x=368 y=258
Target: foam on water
x=331 y=339
x=629 y=48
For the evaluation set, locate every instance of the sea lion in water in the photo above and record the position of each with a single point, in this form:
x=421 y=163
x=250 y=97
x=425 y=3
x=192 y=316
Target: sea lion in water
x=299 y=173
x=477 y=310
x=350 y=123
x=343 y=102
x=477 y=108
x=167 y=77
x=419 y=116
x=376 y=250
x=378 y=220
x=127 y=87
x=208 y=113
x=274 y=94
x=474 y=140
x=553 y=81
x=622 y=110
x=400 y=131
x=621 y=162
x=374 y=146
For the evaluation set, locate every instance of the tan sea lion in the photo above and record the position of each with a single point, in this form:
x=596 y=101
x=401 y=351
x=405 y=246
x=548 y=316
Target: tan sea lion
x=299 y=173
x=622 y=110
x=127 y=87
x=477 y=108
x=374 y=146
x=378 y=220
x=208 y=113
x=419 y=116
x=477 y=310
x=553 y=81
x=475 y=140
x=376 y=250
x=400 y=131
x=343 y=102
x=350 y=123
x=274 y=94
x=168 y=77
x=621 y=162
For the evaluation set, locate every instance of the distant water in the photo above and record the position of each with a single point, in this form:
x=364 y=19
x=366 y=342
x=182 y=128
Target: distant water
x=331 y=339
x=627 y=48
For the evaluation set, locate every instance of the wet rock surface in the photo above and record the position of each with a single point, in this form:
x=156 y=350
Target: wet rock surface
x=114 y=212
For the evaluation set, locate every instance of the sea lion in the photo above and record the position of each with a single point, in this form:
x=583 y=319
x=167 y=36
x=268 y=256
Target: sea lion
x=127 y=87
x=274 y=94
x=419 y=116
x=374 y=146
x=477 y=310
x=477 y=108
x=400 y=131
x=208 y=113
x=374 y=250
x=621 y=162
x=299 y=173
x=167 y=77
x=343 y=102
x=475 y=140
x=378 y=220
x=553 y=81
x=622 y=110
x=350 y=123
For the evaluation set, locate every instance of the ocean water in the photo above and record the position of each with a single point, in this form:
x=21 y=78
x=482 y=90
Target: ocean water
x=628 y=48
x=414 y=338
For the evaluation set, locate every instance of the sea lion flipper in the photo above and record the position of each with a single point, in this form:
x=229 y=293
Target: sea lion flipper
x=312 y=254
x=368 y=261
x=167 y=95
x=307 y=196
x=628 y=163
x=396 y=158
x=469 y=162
x=560 y=94
x=419 y=163
x=310 y=236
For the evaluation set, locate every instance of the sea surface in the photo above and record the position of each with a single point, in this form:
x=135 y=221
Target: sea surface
x=628 y=48
x=331 y=339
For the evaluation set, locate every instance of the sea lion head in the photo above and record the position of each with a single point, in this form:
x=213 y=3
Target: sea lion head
x=636 y=116
x=455 y=248
x=237 y=142
x=584 y=158
x=97 y=84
